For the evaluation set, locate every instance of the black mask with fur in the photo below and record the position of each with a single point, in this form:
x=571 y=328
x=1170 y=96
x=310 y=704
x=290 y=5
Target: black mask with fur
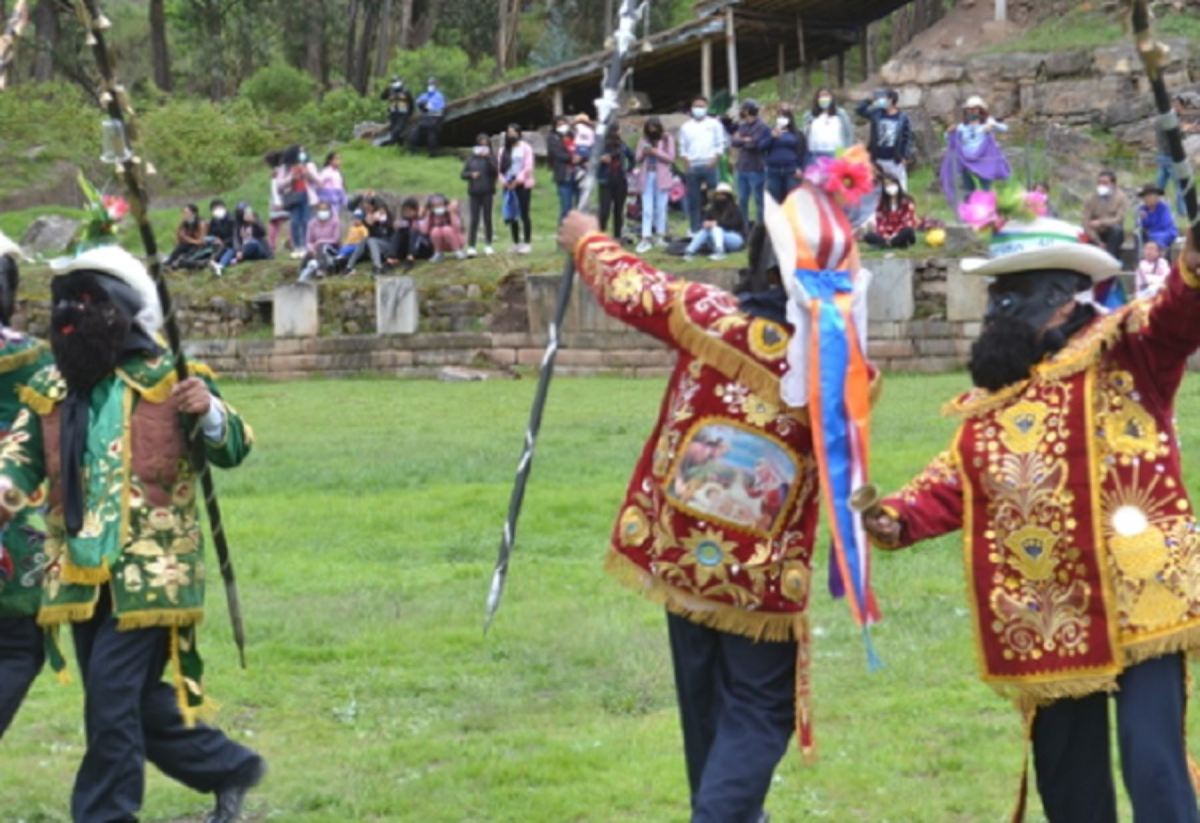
x=10 y=277
x=1009 y=346
x=91 y=326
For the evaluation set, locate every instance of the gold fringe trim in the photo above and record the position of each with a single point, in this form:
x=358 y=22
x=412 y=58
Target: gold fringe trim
x=160 y=392
x=159 y=618
x=758 y=626
x=11 y=362
x=85 y=575
x=730 y=362
x=65 y=613
x=1181 y=640
x=35 y=400
x=1033 y=696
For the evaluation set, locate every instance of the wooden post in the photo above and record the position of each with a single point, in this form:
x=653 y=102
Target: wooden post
x=1001 y=11
x=731 y=55
x=864 y=50
x=558 y=101
x=804 y=64
x=841 y=69
x=706 y=69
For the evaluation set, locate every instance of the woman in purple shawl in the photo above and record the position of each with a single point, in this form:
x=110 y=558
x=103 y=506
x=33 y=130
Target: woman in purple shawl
x=973 y=157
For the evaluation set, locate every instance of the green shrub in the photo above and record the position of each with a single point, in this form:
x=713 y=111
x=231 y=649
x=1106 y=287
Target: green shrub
x=279 y=87
x=449 y=64
x=335 y=115
x=197 y=145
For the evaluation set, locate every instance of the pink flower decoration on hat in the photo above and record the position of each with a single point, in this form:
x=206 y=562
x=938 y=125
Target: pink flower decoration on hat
x=117 y=207
x=979 y=211
x=817 y=172
x=1037 y=202
x=849 y=181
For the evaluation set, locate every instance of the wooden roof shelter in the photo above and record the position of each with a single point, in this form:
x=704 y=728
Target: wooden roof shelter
x=739 y=41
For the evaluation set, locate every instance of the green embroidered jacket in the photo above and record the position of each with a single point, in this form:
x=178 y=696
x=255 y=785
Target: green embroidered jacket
x=141 y=532
x=21 y=358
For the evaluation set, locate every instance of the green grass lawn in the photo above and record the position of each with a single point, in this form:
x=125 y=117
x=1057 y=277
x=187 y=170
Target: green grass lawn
x=365 y=525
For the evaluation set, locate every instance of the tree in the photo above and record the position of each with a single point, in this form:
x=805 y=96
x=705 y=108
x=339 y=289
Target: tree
x=158 y=45
x=48 y=31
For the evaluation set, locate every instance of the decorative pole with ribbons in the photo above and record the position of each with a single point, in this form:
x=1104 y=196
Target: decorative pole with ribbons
x=122 y=143
x=1154 y=58
x=624 y=39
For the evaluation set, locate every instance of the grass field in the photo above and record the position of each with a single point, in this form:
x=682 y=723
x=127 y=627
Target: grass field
x=365 y=525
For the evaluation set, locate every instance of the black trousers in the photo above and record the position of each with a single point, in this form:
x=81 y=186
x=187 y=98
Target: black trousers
x=131 y=715
x=1071 y=751
x=1113 y=238
x=524 y=200
x=736 y=705
x=426 y=133
x=612 y=199
x=900 y=240
x=22 y=652
x=481 y=207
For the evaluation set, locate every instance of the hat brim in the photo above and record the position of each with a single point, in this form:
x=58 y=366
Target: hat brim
x=1090 y=261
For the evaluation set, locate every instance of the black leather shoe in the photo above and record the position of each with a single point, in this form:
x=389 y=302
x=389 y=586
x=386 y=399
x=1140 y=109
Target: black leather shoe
x=229 y=799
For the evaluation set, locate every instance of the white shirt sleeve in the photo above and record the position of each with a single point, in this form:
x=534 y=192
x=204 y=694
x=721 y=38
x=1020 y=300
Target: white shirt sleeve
x=213 y=422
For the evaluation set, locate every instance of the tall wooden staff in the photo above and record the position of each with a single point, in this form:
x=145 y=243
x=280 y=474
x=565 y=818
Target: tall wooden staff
x=123 y=132
x=1154 y=58
x=606 y=111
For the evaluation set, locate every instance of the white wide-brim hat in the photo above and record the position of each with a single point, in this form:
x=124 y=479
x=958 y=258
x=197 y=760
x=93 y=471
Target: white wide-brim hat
x=974 y=102
x=9 y=247
x=116 y=262
x=1044 y=243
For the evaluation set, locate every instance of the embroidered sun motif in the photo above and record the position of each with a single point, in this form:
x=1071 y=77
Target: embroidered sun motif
x=634 y=527
x=707 y=555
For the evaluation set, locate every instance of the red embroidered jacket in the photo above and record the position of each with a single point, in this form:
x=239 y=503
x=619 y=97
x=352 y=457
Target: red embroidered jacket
x=1081 y=549
x=720 y=515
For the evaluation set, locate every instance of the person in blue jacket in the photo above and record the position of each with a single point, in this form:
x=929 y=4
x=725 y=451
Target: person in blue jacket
x=431 y=105
x=891 y=143
x=784 y=149
x=1154 y=218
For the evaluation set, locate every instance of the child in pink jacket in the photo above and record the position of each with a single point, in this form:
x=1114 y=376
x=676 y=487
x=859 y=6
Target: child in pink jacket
x=443 y=225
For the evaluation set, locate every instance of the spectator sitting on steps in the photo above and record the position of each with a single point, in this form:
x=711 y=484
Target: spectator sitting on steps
x=1154 y=219
x=723 y=227
x=1104 y=214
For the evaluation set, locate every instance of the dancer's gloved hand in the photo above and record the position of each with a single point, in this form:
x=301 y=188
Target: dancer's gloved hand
x=575 y=226
x=882 y=527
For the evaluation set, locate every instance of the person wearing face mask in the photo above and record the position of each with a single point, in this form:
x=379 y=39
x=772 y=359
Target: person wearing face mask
x=702 y=143
x=1065 y=476
x=563 y=161
x=106 y=428
x=895 y=218
x=249 y=240
x=481 y=172
x=189 y=239
x=973 y=159
x=655 y=158
x=516 y=171
x=443 y=225
x=750 y=167
x=432 y=105
x=723 y=229
x=321 y=243
x=301 y=197
x=380 y=233
x=827 y=127
x=221 y=233
x=891 y=143
x=784 y=149
x=1104 y=214
x=612 y=178
x=22 y=643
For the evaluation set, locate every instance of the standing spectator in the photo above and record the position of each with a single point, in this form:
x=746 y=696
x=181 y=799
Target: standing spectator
x=1166 y=165
x=724 y=227
x=563 y=162
x=300 y=198
x=891 y=143
x=321 y=243
x=400 y=106
x=443 y=225
x=221 y=232
x=481 y=173
x=655 y=156
x=585 y=138
x=1152 y=270
x=702 y=143
x=277 y=214
x=827 y=127
x=409 y=242
x=783 y=149
x=1042 y=189
x=1104 y=214
x=973 y=157
x=1154 y=219
x=516 y=168
x=189 y=239
x=378 y=244
x=432 y=105
x=331 y=187
x=748 y=137
x=249 y=240
x=895 y=217
x=612 y=177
